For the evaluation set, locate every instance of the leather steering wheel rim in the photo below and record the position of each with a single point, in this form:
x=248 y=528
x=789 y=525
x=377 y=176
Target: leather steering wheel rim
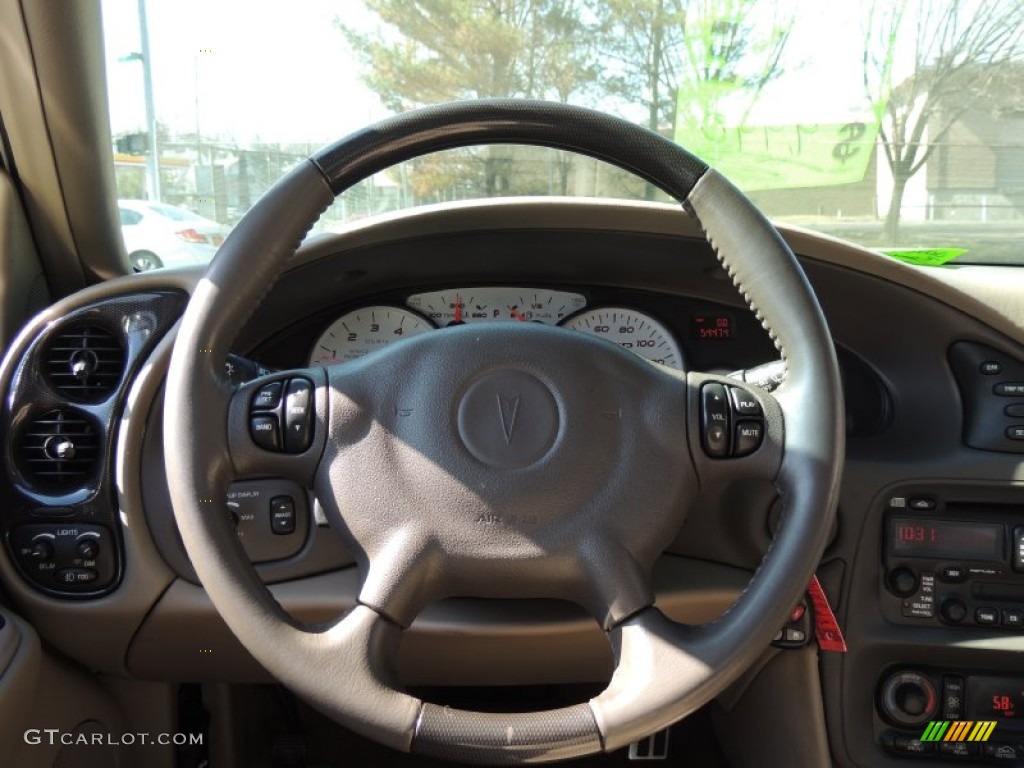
x=664 y=670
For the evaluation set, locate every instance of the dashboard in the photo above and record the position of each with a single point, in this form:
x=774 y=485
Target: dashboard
x=932 y=482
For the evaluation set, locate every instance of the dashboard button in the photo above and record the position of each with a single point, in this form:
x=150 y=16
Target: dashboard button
x=911 y=746
x=1016 y=432
x=986 y=616
x=952 y=697
x=957 y=748
x=714 y=414
x=921 y=503
x=282 y=515
x=953 y=574
x=1009 y=388
x=748 y=437
x=1015 y=409
x=72 y=576
x=1003 y=751
x=1012 y=618
x=265 y=432
x=1018 y=549
x=953 y=610
x=990 y=368
x=744 y=403
x=298 y=416
x=902 y=582
x=267 y=398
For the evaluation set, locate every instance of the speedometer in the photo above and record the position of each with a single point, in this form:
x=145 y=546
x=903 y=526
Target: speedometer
x=361 y=331
x=632 y=330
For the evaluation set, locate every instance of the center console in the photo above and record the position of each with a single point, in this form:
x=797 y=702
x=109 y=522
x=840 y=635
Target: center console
x=952 y=561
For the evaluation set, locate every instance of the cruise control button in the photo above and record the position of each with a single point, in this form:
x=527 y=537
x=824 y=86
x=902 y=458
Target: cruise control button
x=986 y=616
x=265 y=432
x=1009 y=388
x=715 y=420
x=748 y=437
x=268 y=397
x=744 y=404
x=76 y=576
x=282 y=515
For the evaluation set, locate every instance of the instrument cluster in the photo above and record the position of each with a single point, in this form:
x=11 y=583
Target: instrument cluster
x=361 y=331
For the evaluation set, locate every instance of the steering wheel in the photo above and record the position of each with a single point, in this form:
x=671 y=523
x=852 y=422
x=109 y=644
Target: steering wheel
x=500 y=460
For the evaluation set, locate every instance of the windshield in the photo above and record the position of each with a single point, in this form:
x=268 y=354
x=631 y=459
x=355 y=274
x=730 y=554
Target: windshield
x=896 y=124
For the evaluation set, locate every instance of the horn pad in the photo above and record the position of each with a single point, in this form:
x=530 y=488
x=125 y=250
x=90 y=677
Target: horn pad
x=508 y=419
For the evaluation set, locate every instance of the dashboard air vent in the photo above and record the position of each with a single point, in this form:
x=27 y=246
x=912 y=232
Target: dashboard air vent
x=59 y=450
x=85 y=363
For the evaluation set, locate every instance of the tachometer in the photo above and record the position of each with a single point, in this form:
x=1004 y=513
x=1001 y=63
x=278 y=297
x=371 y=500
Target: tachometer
x=361 y=331
x=632 y=330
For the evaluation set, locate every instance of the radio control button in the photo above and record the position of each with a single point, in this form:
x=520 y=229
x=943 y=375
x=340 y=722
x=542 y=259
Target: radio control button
x=986 y=616
x=1012 y=618
x=953 y=574
x=953 y=610
x=1018 y=548
x=902 y=582
x=921 y=503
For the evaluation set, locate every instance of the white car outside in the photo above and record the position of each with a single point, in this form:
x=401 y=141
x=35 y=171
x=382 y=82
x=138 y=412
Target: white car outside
x=161 y=235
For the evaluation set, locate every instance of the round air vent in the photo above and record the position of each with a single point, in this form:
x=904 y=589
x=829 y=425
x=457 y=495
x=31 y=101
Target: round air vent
x=59 y=450
x=84 y=362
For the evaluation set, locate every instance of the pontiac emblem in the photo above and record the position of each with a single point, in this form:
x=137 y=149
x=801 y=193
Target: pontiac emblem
x=508 y=408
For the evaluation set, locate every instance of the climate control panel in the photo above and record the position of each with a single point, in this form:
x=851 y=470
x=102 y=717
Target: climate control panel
x=951 y=714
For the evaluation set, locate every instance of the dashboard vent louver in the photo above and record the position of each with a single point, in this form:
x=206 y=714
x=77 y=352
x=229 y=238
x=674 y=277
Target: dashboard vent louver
x=59 y=449
x=85 y=363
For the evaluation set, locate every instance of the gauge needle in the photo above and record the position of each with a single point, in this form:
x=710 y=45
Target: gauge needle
x=458 y=308
x=517 y=315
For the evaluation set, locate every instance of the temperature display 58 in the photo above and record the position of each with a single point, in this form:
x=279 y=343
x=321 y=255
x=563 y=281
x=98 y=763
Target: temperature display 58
x=996 y=698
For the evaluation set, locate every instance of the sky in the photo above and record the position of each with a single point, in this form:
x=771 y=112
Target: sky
x=269 y=71
x=254 y=70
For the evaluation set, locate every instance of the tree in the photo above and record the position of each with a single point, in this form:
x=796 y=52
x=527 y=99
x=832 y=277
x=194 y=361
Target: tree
x=437 y=50
x=956 y=50
x=692 y=53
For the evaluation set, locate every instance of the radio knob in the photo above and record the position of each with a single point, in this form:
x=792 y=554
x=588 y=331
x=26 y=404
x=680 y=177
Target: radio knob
x=909 y=698
x=902 y=582
x=953 y=610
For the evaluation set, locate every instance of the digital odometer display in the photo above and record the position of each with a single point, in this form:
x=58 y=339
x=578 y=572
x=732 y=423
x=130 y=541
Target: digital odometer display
x=712 y=327
x=946 y=538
